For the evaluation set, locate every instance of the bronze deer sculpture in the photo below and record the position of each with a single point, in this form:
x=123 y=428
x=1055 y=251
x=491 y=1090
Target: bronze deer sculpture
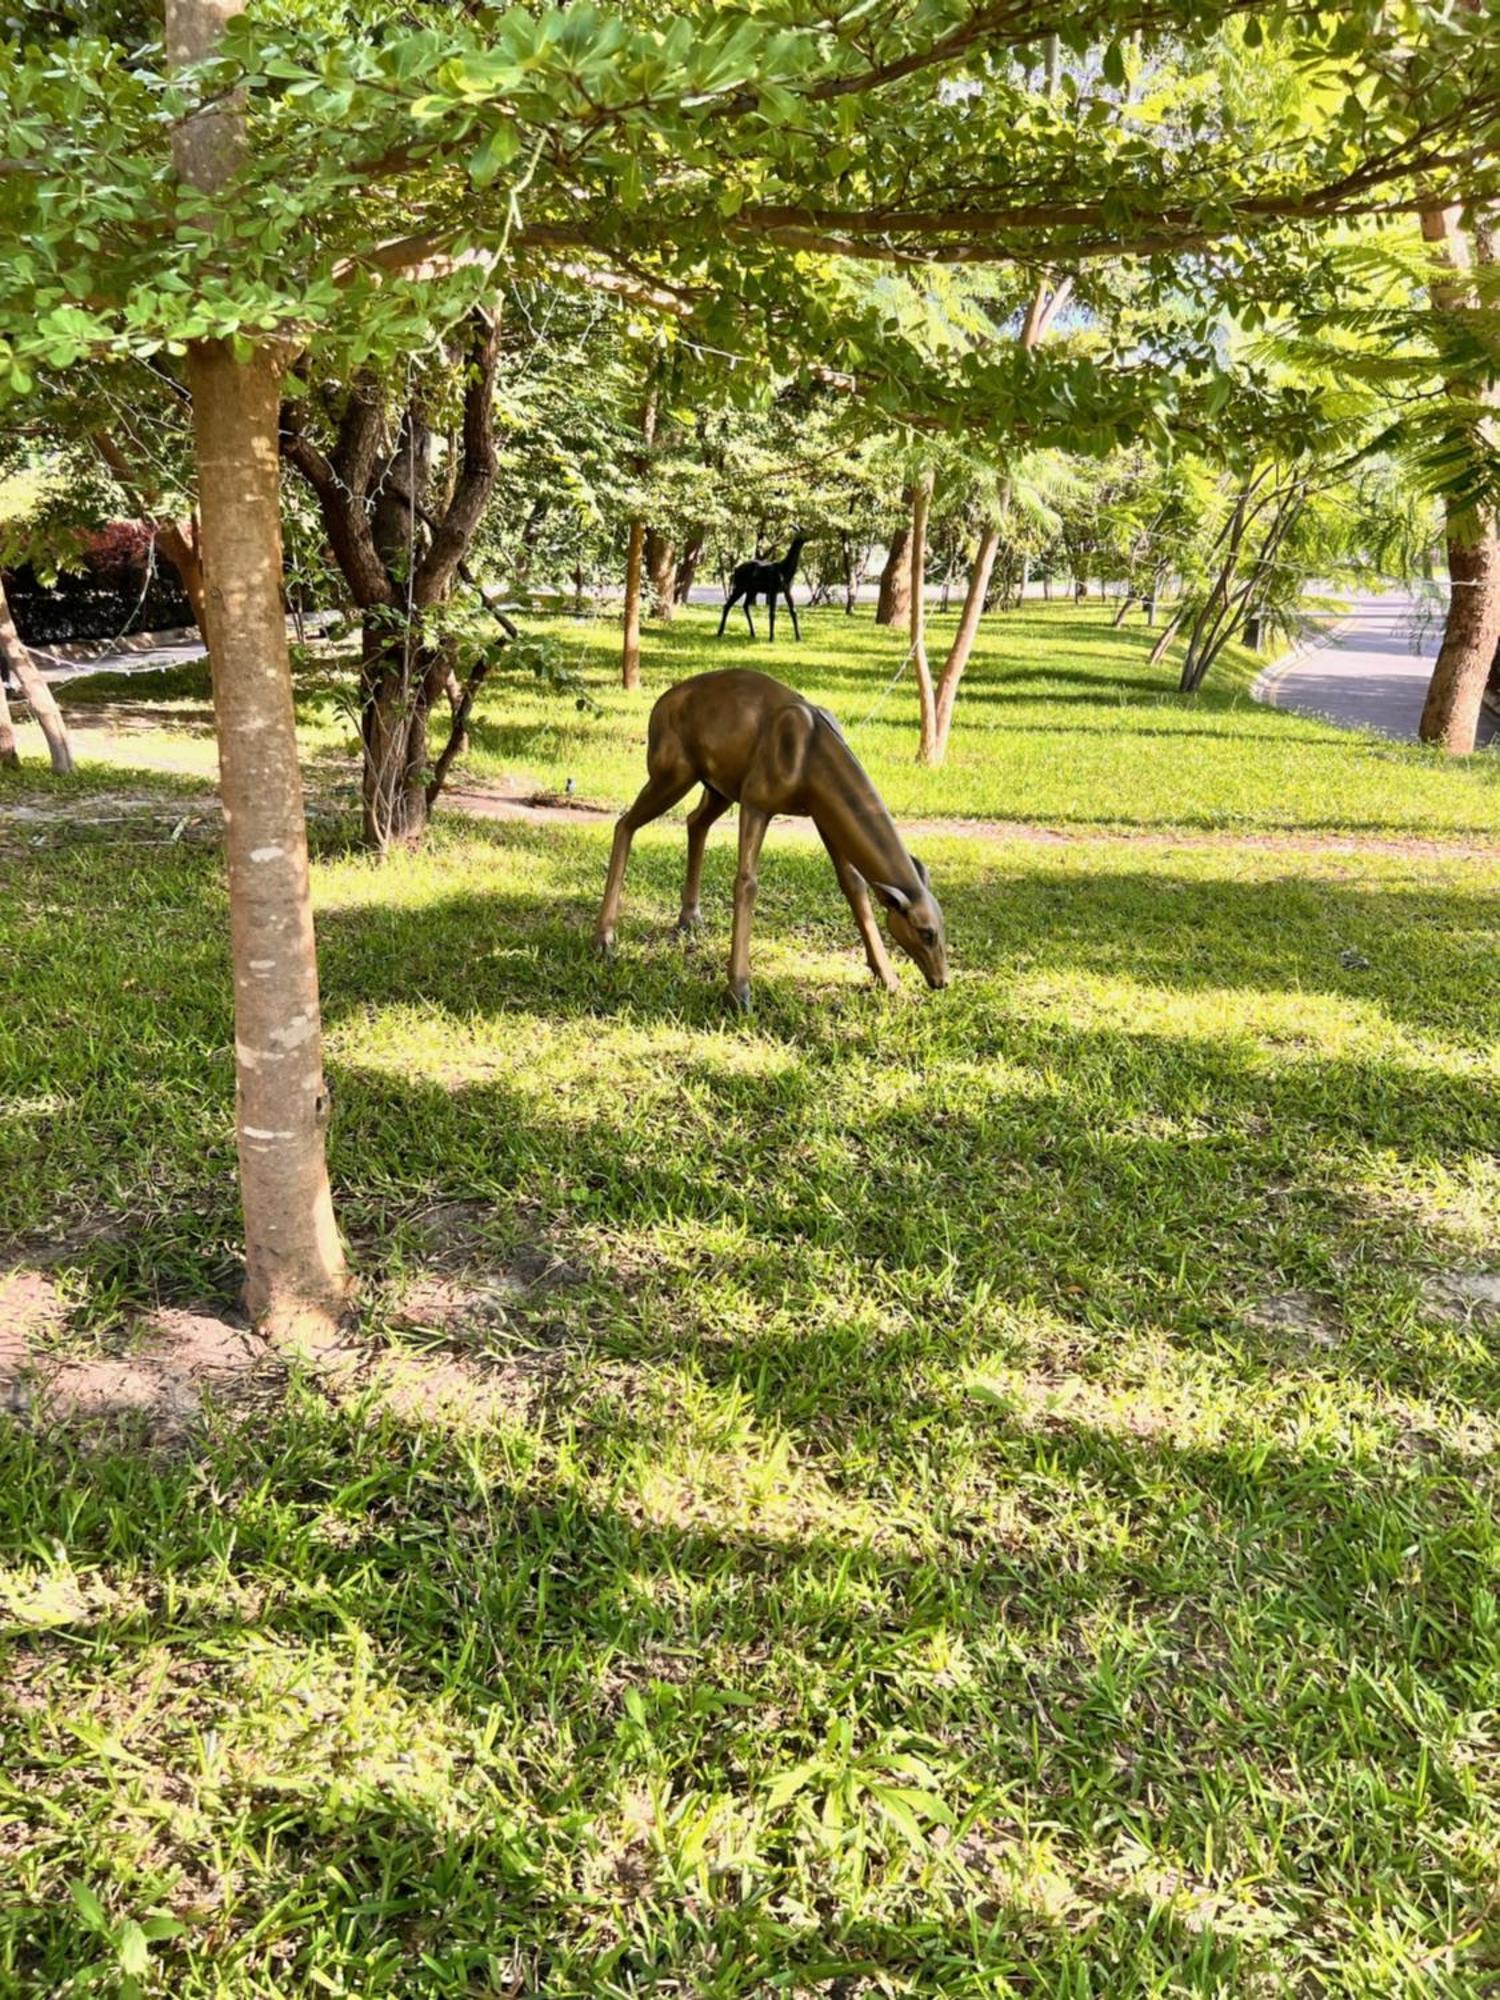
x=748 y=740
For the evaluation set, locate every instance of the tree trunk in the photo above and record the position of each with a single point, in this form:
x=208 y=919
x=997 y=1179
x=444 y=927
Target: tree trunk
x=687 y=563
x=179 y=542
x=1450 y=714
x=853 y=575
x=295 y=1282
x=660 y=556
x=1119 y=618
x=635 y=551
x=531 y=534
x=963 y=643
x=894 y=605
x=630 y=665
x=397 y=694
x=949 y=572
x=926 y=696
x=294 y=1265
x=38 y=696
x=1168 y=633
x=10 y=756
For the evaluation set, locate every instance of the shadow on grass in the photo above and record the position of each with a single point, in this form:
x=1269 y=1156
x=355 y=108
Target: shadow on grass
x=1081 y=1116
x=546 y=1647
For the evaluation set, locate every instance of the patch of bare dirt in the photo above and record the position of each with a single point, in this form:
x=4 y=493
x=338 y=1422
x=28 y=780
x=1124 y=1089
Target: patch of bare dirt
x=116 y=718
x=189 y=1359
x=31 y=1309
x=1299 y=1318
x=1464 y=1295
x=185 y=1359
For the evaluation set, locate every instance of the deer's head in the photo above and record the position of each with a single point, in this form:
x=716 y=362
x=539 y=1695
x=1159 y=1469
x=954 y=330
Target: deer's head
x=915 y=924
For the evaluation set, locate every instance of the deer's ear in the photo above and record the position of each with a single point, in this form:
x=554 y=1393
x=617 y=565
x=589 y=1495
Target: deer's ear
x=894 y=899
x=922 y=875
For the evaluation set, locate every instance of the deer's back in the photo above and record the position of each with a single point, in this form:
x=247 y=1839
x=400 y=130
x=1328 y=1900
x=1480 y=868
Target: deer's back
x=733 y=726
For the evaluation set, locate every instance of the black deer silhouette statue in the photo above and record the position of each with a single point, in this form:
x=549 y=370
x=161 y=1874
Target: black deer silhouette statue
x=769 y=580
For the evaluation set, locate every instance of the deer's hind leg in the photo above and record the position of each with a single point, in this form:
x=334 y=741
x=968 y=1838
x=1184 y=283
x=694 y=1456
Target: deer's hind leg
x=729 y=603
x=713 y=805
x=666 y=785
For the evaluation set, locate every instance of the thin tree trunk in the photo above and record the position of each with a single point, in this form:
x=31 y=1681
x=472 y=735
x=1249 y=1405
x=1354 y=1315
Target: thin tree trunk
x=949 y=572
x=927 y=750
x=1119 y=618
x=38 y=696
x=179 y=543
x=1450 y=714
x=687 y=564
x=963 y=641
x=853 y=574
x=295 y=1282
x=635 y=551
x=10 y=756
x=1169 y=632
x=894 y=604
x=660 y=557
x=630 y=665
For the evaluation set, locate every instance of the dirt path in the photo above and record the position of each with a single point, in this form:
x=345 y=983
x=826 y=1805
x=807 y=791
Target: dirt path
x=509 y=800
x=523 y=805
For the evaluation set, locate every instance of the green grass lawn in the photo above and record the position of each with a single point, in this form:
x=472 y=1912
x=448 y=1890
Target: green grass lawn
x=993 y=1492
x=1060 y=721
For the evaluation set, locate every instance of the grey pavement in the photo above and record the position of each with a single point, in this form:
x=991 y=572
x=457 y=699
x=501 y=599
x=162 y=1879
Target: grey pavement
x=1370 y=670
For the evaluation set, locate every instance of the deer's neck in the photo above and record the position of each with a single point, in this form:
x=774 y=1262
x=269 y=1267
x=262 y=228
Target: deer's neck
x=851 y=816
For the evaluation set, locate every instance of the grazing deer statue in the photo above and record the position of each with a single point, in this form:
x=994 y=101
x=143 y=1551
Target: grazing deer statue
x=746 y=738
x=769 y=580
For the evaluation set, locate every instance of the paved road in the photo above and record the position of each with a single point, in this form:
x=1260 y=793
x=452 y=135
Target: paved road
x=1370 y=672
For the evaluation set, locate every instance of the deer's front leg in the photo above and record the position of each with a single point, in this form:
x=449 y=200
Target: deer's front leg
x=858 y=897
x=753 y=824
x=709 y=808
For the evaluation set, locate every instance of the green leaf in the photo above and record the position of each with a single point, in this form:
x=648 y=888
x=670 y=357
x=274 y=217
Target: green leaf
x=135 y=1953
x=88 y=1906
x=788 y=1785
x=156 y=1930
x=1114 y=65
x=500 y=146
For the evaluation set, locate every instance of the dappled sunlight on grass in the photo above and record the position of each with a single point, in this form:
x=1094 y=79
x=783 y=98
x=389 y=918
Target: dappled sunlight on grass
x=980 y=1490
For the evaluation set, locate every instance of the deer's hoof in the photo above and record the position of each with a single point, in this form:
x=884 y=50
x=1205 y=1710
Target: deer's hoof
x=739 y=995
x=689 y=922
x=605 y=945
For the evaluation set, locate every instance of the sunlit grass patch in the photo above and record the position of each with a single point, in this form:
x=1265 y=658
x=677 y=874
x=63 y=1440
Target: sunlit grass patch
x=983 y=1492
